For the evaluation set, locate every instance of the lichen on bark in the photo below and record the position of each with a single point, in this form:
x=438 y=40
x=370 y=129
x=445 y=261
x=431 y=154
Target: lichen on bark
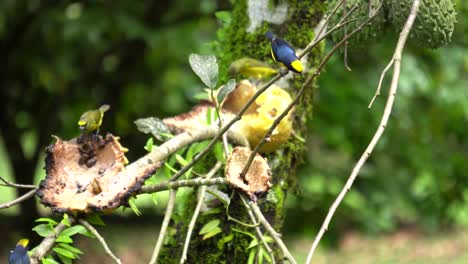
x=234 y=42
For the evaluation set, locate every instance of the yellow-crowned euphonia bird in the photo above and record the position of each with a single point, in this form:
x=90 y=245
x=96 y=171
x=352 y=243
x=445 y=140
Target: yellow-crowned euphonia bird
x=253 y=68
x=19 y=255
x=283 y=53
x=91 y=120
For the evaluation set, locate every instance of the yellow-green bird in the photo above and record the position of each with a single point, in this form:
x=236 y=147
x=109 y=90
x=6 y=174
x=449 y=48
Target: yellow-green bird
x=91 y=120
x=253 y=68
x=19 y=255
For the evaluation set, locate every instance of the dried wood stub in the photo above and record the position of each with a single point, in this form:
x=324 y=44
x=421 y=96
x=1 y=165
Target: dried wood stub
x=90 y=176
x=257 y=178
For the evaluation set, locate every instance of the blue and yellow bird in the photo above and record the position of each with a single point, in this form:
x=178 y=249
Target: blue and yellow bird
x=19 y=255
x=283 y=53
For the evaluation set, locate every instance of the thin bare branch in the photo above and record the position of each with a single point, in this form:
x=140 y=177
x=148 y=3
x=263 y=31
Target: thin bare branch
x=382 y=76
x=383 y=123
x=165 y=224
x=100 y=239
x=257 y=229
x=18 y=200
x=275 y=235
x=193 y=221
x=16 y=185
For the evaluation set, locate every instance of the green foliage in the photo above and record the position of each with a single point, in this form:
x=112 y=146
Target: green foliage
x=63 y=248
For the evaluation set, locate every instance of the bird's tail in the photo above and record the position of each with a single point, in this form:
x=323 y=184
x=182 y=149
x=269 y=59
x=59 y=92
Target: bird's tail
x=270 y=35
x=104 y=108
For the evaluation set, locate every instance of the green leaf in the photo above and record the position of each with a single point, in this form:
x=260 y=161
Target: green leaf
x=218 y=151
x=213 y=211
x=71 y=248
x=170 y=168
x=225 y=90
x=260 y=254
x=210 y=226
x=181 y=160
x=253 y=243
x=44 y=230
x=73 y=230
x=95 y=219
x=224 y=240
x=65 y=220
x=134 y=207
x=149 y=144
x=212 y=233
x=49 y=260
x=223 y=197
x=206 y=67
x=64 y=252
x=65 y=260
x=47 y=220
x=195 y=148
x=251 y=259
x=154 y=126
x=64 y=239
x=154 y=198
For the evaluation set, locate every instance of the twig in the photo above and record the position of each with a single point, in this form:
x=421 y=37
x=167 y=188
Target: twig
x=382 y=75
x=388 y=109
x=100 y=239
x=18 y=200
x=257 y=229
x=345 y=29
x=193 y=221
x=276 y=236
x=165 y=224
x=16 y=185
x=319 y=37
x=183 y=183
x=48 y=243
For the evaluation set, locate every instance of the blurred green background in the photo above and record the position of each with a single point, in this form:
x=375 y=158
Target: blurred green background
x=59 y=59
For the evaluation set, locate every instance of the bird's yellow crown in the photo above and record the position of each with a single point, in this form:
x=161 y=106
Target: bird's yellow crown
x=23 y=242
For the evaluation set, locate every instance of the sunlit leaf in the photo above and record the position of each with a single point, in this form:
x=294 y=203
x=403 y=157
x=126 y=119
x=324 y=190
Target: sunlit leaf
x=134 y=207
x=206 y=67
x=154 y=126
x=212 y=233
x=44 y=230
x=64 y=252
x=210 y=226
x=225 y=90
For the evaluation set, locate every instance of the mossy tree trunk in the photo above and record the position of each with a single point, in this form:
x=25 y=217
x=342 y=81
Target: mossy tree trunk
x=295 y=21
